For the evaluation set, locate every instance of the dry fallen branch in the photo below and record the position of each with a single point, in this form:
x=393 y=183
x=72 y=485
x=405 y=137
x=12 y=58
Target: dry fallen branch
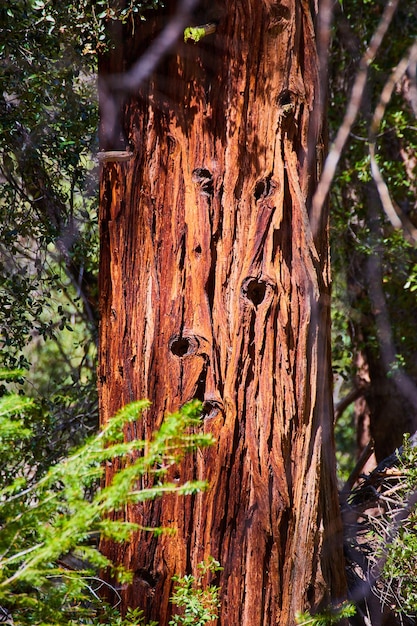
x=374 y=511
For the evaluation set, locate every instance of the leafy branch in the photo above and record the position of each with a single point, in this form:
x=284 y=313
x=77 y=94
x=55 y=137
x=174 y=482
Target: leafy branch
x=65 y=511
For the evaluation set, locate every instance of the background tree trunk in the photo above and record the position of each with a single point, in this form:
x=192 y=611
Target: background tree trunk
x=212 y=287
x=391 y=396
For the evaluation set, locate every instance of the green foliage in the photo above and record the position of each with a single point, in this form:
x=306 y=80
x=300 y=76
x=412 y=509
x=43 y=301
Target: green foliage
x=384 y=535
x=399 y=574
x=400 y=569
x=199 y=603
x=133 y=617
x=86 y=21
x=345 y=435
x=408 y=462
x=411 y=282
x=397 y=143
x=48 y=114
x=48 y=173
x=356 y=232
x=48 y=224
x=342 y=348
x=343 y=371
x=64 y=511
x=326 y=618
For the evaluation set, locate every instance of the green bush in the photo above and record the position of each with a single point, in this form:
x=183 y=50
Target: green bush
x=65 y=510
x=198 y=603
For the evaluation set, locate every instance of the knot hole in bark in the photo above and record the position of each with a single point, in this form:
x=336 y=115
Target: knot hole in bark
x=286 y=102
x=145 y=578
x=264 y=188
x=180 y=346
x=255 y=290
x=211 y=408
x=279 y=16
x=185 y=345
x=204 y=179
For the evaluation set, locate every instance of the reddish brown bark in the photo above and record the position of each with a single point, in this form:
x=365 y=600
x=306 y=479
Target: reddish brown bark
x=212 y=287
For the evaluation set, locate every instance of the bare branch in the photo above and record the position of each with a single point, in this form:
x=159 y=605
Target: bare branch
x=113 y=87
x=350 y=116
x=130 y=81
x=392 y=211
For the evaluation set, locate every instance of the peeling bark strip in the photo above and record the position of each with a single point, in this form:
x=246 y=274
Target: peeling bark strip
x=211 y=287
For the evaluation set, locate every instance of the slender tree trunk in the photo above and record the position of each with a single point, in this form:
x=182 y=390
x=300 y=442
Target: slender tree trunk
x=391 y=395
x=212 y=287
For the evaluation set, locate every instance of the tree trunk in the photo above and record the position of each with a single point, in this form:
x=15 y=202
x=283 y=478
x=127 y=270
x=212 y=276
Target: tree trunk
x=391 y=396
x=212 y=287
